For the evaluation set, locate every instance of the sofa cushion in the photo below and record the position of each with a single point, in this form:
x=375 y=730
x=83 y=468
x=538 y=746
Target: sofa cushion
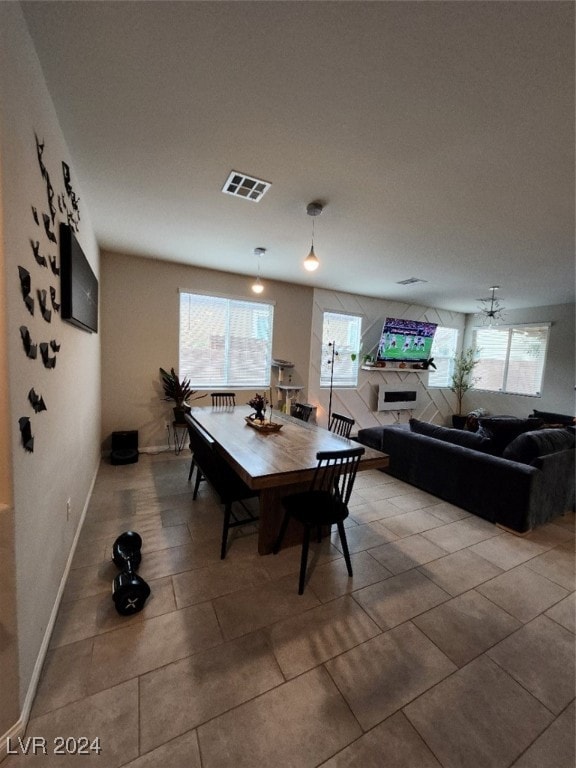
x=455 y=436
x=529 y=445
x=554 y=418
x=501 y=430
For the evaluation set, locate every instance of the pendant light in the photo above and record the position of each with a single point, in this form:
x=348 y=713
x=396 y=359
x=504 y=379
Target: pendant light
x=491 y=311
x=311 y=262
x=257 y=286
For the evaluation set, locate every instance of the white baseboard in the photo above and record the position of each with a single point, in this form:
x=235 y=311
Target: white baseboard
x=19 y=727
x=156 y=449
x=150 y=449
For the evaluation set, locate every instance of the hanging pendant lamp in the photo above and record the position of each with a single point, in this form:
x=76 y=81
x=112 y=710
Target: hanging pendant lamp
x=311 y=262
x=257 y=286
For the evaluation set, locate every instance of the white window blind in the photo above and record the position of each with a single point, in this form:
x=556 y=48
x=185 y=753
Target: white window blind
x=443 y=351
x=225 y=342
x=345 y=332
x=511 y=359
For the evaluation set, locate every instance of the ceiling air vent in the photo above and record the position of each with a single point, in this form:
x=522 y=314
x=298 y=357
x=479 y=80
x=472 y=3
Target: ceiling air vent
x=248 y=187
x=411 y=281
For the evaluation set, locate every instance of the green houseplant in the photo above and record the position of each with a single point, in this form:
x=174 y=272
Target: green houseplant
x=462 y=380
x=178 y=390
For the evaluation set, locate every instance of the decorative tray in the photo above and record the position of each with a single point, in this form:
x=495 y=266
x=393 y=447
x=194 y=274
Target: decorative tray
x=264 y=426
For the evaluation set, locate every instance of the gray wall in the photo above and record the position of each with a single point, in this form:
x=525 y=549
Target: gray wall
x=558 y=385
x=37 y=535
x=140 y=322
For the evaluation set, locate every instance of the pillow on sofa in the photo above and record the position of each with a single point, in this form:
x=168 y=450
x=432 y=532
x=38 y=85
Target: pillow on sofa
x=455 y=436
x=501 y=430
x=528 y=446
x=554 y=418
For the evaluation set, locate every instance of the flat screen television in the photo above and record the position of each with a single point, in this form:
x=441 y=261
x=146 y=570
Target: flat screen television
x=78 y=284
x=405 y=341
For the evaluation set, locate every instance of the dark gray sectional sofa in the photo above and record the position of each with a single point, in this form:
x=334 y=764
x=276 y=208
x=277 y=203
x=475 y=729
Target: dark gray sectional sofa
x=510 y=472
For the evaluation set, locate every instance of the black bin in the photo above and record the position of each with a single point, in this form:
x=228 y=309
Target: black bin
x=124 y=447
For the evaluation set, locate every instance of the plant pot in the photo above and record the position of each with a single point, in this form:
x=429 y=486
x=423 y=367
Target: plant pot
x=458 y=421
x=179 y=412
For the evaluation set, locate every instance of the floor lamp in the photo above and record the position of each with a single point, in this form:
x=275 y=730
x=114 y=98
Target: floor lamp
x=334 y=354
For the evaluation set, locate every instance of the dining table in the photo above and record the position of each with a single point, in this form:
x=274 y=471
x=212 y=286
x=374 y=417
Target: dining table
x=274 y=461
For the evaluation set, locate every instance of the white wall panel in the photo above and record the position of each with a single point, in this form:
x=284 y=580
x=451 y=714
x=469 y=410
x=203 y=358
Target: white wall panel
x=361 y=402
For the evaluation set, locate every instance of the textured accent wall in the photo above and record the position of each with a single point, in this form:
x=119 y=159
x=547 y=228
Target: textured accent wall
x=435 y=405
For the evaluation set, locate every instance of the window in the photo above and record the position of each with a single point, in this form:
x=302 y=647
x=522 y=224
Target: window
x=225 y=342
x=345 y=332
x=443 y=351
x=511 y=359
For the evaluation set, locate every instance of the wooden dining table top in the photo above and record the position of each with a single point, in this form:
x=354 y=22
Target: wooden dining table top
x=268 y=460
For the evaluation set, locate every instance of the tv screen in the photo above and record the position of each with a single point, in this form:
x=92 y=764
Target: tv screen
x=405 y=341
x=78 y=284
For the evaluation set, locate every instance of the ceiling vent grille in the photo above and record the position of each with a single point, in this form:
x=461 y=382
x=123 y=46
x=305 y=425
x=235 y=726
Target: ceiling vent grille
x=411 y=281
x=247 y=187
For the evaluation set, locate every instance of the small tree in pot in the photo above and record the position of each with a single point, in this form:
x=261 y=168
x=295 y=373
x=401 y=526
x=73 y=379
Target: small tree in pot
x=179 y=391
x=462 y=381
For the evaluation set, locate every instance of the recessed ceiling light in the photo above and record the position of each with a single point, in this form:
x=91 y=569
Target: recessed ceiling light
x=248 y=187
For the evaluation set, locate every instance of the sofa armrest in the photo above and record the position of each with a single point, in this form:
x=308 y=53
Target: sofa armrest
x=554 y=492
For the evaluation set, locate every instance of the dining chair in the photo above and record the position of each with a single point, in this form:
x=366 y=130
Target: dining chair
x=325 y=503
x=226 y=399
x=230 y=488
x=219 y=400
x=300 y=411
x=341 y=425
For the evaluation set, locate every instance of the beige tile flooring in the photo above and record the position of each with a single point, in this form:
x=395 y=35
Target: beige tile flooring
x=452 y=645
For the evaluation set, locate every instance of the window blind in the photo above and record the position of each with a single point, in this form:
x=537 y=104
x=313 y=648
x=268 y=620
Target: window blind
x=443 y=351
x=511 y=359
x=225 y=342
x=345 y=332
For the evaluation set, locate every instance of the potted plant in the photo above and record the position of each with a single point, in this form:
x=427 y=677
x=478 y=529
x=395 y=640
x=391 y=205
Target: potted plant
x=179 y=391
x=258 y=402
x=462 y=381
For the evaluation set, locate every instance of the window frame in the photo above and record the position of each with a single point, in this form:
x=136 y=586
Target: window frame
x=450 y=359
x=351 y=382
x=228 y=382
x=510 y=329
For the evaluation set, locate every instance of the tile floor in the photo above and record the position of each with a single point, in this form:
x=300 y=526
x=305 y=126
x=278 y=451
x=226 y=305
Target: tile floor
x=452 y=645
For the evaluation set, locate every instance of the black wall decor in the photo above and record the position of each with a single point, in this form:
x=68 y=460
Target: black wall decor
x=36 y=401
x=49 y=362
x=78 y=284
x=73 y=217
x=49 y=187
x=55 y=305
x=47 y=227
x=44 y=311
x=30 y=349
x=36 y=250
x=26 y=287
x=26 y=433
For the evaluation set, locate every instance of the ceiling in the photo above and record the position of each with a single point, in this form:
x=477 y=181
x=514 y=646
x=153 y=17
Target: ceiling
x=438 y=135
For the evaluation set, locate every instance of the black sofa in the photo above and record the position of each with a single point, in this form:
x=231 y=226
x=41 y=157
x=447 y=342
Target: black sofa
x=511 y=472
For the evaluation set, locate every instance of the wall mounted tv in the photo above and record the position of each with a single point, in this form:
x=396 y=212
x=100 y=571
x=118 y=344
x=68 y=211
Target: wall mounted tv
x=78 y=284
x=405 y=341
